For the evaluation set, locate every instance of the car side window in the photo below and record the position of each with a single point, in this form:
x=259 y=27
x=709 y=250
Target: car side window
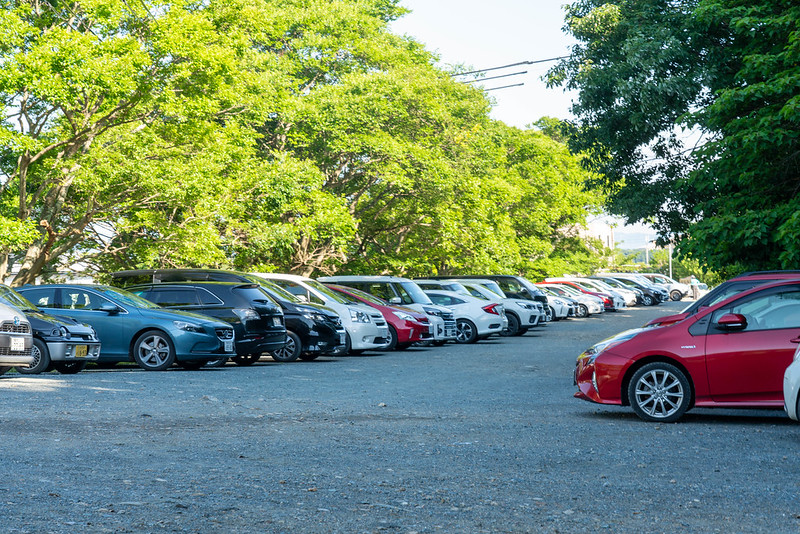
x=43 y=298
x=405 y=298
x=79 y=299
x=173 y=296
x=767 y=312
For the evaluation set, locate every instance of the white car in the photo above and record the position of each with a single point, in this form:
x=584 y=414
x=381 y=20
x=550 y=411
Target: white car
x=521 y=314
x=791 y=387
x=475 y=319
x=587 y=304
x=16 y=339
x=561 y=307
x=676 y=289
x=366 y=327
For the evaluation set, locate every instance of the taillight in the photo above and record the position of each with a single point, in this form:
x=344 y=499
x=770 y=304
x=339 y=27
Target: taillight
x=491 y=308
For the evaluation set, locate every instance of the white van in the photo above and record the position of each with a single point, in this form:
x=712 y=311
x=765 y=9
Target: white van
x=366 y=327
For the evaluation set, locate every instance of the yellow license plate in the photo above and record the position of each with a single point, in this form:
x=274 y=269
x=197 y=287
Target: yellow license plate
x=81 y=351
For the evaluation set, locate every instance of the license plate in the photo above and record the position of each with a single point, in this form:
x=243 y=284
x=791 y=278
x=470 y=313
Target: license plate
x=17 y=344
x=81 y=351
x=276 y=321
x=228 y=345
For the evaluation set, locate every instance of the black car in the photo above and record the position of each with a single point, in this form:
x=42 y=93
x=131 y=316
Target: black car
x=256 y=319
x=311 y=329
x=648 y=297
x=59 y=342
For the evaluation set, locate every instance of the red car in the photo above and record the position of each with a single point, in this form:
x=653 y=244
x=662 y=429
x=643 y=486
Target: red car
x=406 y=326
x=732 y=354
x=727 y=289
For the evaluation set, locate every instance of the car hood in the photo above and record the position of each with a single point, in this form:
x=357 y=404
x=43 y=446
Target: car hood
x=668 y=319
x=177 y=315
x=46 y=321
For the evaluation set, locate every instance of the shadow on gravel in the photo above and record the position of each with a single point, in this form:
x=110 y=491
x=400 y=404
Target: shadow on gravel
x=717 y=417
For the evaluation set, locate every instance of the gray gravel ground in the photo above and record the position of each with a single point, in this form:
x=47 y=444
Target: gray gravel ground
x=477 y=438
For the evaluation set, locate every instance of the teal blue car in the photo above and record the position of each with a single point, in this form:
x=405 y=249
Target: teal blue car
x=131 y=328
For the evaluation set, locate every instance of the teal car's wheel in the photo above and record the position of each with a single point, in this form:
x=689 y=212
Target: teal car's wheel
x=153 y=351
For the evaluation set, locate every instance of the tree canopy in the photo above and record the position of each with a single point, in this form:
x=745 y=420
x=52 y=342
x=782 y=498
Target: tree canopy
x=689 y=113
x=297 y=135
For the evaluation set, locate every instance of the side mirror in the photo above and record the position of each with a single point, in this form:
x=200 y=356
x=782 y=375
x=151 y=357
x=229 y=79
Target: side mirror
x=109 y=308
x=732 y=321
x=395 y=300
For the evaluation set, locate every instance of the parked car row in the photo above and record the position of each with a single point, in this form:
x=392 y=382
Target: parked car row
x=736 y=347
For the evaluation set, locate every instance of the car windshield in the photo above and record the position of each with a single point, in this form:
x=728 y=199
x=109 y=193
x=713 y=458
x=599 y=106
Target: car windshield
x=12 y=298
x=126 y=297
x=330 y=293
x=414 y=294
x=366 y=296
x=277 y=291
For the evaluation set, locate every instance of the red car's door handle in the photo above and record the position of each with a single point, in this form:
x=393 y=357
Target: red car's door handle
x=795 y=340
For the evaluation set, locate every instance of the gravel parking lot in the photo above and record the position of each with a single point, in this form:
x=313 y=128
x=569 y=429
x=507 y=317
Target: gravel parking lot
x=477 y=438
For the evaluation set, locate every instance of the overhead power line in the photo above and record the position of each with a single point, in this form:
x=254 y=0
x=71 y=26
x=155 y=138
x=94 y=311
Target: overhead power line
x=504 y=87
x=495 y=77
x=511 y=65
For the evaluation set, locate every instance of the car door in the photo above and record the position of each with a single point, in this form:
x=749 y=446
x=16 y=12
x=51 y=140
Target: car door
x=747 y=363
x=113 y=323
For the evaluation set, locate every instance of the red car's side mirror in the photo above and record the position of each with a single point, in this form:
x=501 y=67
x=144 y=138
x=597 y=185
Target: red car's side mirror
x=732 y=321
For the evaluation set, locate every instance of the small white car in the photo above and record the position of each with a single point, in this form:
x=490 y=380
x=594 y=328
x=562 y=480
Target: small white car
x=791 y=387
x=676 y=289
x=475 y=318
x=521 y=314
x=587 y=304
x=16 y=339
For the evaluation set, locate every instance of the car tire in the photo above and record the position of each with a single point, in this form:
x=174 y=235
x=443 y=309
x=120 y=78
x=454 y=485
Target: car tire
x=392 y=338
x=676 y=295
x=289 y=352
x=466 y=331
x=659 y=392
x=247 y=359
x=153 y=351
x=41 y=359
x=582 y=311
x=513 y=326
x=403 y=346
x=309 y=356
x=522 y=331
x=69 y=368
x=647 y=300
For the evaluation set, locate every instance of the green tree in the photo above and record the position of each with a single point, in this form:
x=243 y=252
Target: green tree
x=648 y=72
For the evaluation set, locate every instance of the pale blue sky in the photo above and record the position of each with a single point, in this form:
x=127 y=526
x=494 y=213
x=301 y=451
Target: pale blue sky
x=484 y=34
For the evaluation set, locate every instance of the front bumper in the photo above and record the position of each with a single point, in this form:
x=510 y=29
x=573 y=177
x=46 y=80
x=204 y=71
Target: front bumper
x=366 y=336
x=73 y=350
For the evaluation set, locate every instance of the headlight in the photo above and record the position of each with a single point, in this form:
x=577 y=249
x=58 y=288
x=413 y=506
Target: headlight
x=64 y=332
x=188 y=327
x=247 y=314
x=432 y=311
x=404 y=316
x=359 y=316
x=314 y=316
x=595 y=350
x=523 y=305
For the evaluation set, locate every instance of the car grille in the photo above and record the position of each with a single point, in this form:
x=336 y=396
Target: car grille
x=378 y=319
x=224 y=333
x=21 y=328
x=6 y=351
x=449 y=323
